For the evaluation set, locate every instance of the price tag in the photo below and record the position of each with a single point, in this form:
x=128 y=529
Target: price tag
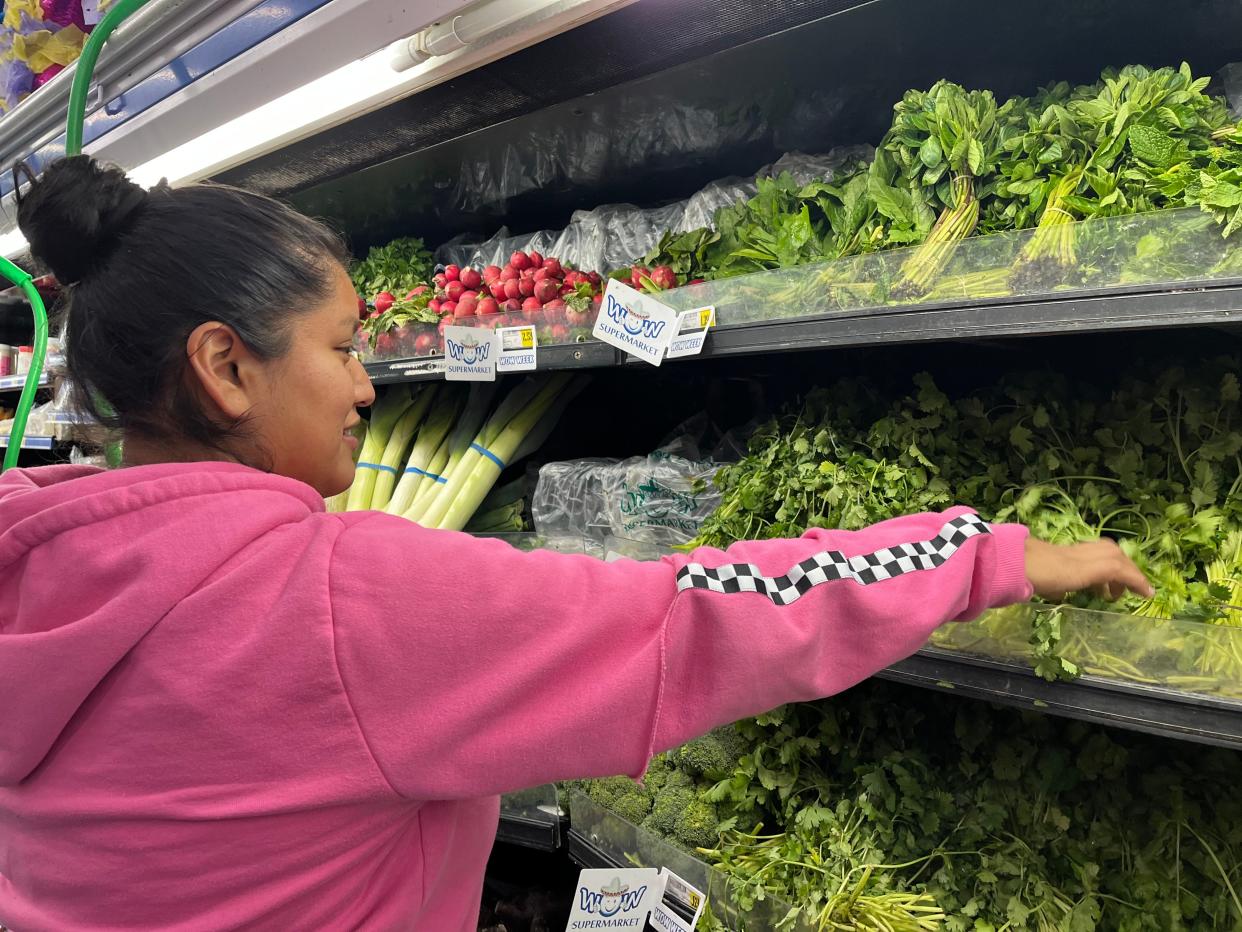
x=635 y=322
x=469 y=354
x=692 y=327
x=679 y=906
x=614 y=899
x=518 y=349
x=90 y=12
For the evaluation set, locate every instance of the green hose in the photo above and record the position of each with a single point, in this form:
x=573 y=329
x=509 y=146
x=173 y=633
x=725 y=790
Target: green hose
x=26 y=402
x=73 y=142
x=86 y=68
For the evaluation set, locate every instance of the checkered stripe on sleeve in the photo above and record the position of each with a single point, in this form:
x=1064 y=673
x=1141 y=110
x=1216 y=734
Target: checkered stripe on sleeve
x=830 y=565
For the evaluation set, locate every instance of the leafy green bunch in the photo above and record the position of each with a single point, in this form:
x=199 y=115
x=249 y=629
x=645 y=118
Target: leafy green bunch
x=1153 y=462
x=396 y=268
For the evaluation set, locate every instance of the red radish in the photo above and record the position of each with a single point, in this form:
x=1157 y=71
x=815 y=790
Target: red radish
x=439 y=280
x=513 y=289
x=567 y=288
x=532 y=304
x=560 y=333
x=508 y=273
x=546 y=290
x=498 y=290
x=435 y=304
x=415 y=292
x=464 y=309
x=373 y=315
x=596 y=279
x=471 y=278
x=637 y=274
x=468 y=294
x=597 y=299
x=454 y=290
x=536 y=260
x=664 y=277
x=386 y=345
x=384 y=300
x=513 y=304
x=553 y=315
x=363 y=310
x=556 y=303
x=541 y=274
x=519 y=260
x=527 y=287
x=491 y=273
x=452 y=273
x=553 y=266
x=487 y=306
x=448 y=308
x=424 y=344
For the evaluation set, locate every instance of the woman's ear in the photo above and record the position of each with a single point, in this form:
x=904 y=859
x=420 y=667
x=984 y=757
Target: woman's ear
x=223 y=368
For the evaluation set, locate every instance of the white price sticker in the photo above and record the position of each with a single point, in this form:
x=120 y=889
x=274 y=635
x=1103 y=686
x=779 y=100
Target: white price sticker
x=614 y=899
x=679 y=906
x=519 y=347
x=692 y=327
x=469 y=354
x=635 y=322
x=90 y=12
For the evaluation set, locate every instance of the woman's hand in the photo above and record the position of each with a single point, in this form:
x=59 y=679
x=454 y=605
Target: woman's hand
x=1100 y=566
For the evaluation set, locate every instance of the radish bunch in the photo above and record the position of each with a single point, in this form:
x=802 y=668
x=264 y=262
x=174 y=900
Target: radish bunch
x=529 y=289
x=655 y=279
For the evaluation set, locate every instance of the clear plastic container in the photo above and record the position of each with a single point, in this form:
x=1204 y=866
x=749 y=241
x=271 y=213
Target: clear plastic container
x=1164 y=248
x=415 y=340
x=1160 y=248
x=532 y=817
x=1187 y=656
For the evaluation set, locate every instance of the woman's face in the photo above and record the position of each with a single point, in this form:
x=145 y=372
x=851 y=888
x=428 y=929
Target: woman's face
x=307 y=405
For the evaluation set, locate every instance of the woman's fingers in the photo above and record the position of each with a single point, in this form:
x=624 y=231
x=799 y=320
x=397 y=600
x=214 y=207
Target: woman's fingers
x=1099 y=566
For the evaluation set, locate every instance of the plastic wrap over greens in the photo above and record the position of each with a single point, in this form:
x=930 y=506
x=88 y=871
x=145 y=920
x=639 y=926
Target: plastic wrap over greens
x=614 y=235
x=660 y=499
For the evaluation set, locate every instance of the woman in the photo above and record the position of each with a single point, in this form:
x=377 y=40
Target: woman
x=226 y=708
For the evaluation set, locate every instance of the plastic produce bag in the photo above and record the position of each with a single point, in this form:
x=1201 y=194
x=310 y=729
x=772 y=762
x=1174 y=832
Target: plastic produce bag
x=660 y=499
x=615 y=235
x=1231 y=80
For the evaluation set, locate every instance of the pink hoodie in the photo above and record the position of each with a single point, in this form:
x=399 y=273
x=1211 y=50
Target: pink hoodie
x=225 y=708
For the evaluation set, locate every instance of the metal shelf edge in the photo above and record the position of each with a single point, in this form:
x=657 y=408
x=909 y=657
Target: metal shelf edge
x=1162 y=712
x=592 y=355
x=1062 y=313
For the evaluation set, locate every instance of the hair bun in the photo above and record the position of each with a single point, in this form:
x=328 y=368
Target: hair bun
x=74 y=215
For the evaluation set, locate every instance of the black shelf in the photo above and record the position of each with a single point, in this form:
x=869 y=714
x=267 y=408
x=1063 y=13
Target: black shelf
x=540 y=831
x=585 y=853
x=1153 y=710
x=589 y=355
x=1206 y=304
x=1117 y=309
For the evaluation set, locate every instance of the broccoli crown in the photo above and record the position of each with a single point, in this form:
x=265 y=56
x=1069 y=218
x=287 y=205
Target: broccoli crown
x=623 y=796
x=696 y=827
x=667 y=808
x=714 y=755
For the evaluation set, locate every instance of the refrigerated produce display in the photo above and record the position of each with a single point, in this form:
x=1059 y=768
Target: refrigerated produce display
x=958 y=254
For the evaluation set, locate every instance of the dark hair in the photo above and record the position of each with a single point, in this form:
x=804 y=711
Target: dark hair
x=142 y=269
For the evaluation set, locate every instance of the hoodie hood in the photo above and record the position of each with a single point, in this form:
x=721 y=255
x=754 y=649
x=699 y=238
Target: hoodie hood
x=91 y=560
